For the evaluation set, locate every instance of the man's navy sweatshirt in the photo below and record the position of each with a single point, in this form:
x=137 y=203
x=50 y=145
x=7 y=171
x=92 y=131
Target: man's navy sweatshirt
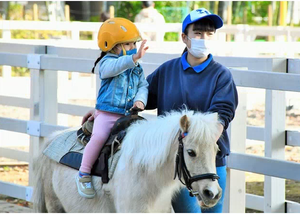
x=208 y=87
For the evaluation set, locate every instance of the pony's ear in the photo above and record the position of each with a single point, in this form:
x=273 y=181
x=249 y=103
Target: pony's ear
x=184 y=123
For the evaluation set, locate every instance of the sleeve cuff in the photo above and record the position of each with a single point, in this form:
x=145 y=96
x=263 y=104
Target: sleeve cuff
x=134 y=63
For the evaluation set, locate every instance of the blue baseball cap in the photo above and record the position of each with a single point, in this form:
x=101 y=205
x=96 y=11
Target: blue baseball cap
x=201 y=13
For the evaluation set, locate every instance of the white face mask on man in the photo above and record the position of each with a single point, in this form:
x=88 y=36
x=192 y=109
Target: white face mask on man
x=199 y=47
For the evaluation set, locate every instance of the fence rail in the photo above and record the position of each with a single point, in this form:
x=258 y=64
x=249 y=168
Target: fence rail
x=240 y=32
x=274 y=75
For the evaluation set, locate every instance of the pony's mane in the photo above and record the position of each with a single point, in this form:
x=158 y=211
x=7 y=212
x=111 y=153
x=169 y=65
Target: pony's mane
x=148 y=143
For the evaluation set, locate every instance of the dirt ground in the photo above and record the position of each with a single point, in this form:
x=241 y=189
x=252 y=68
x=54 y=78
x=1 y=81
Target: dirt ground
x=19 y=173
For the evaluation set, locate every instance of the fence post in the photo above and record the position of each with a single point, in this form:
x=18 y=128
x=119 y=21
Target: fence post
x=62 y=95
x=35 y=18
x=43 y=97
x=111 y=11
x=274 y=188
x=6 y=70
x=67 y=17
x=270 y=19
x=235 y=195
x=229 y=21
x=95 y=36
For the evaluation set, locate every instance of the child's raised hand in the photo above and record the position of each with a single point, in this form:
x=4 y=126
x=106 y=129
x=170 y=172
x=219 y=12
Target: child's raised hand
x=141 y=52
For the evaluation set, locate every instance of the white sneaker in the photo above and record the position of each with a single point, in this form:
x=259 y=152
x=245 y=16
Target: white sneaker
x=85 y=187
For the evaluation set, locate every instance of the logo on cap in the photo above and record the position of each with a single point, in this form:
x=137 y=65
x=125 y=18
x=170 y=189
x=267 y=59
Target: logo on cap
x=196 y=14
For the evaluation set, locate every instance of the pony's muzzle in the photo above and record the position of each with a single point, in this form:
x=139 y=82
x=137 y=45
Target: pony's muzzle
x=210 y=197
x=209 y=194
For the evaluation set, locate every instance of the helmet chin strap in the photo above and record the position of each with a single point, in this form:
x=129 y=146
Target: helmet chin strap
x=123 y=49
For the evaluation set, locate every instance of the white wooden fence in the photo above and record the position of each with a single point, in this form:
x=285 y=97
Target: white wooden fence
x=241 y=32
x=275 y=75
x=244 y=36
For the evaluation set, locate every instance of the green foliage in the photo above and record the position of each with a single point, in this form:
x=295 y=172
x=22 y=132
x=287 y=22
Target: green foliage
x=6 y=168
x=171 y=36
x=20 y=72
x=86 y=35
x=257 y=9
x=15 y=11
x=127 y=9
x=95 y=19
x=173 y=11
x=244 y=12
x=17 y=72
x=45 y=34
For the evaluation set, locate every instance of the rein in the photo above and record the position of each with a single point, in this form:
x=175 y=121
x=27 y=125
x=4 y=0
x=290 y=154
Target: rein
x=182 y=171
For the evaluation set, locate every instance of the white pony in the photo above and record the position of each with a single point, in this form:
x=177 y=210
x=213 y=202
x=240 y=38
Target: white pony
x=181 y=144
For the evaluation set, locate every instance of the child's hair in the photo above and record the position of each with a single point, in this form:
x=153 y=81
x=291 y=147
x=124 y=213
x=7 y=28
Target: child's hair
x=205 y=25
x=99 y=58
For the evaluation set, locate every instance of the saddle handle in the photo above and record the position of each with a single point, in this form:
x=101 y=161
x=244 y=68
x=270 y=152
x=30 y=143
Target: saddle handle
x=135 y=110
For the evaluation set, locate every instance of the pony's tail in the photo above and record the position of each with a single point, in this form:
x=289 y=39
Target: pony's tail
x=39 y=204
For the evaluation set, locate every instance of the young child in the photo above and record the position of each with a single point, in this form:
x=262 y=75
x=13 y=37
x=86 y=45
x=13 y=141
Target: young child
x=123 y=86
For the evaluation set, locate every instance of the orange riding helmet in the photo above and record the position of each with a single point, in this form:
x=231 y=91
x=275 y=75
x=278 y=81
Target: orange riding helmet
x=115 y=31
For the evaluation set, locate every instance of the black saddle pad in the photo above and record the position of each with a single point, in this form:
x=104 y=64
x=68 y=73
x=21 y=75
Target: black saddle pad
x=100 y=167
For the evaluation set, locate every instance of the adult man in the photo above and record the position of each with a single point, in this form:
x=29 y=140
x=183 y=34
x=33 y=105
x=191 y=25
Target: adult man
x=150 y=15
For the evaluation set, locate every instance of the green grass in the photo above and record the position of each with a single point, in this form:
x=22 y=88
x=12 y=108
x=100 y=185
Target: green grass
x=292 y=191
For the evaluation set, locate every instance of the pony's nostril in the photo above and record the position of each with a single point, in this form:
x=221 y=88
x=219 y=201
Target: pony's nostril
x=209 y=194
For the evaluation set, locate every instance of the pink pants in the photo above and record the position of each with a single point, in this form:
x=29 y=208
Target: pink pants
x=103 y=123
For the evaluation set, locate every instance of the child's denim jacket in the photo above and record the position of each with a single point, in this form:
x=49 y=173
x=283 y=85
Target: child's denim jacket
x=122 y=83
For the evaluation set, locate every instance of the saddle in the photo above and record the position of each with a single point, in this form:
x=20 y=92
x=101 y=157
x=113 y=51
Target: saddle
x=111 y=147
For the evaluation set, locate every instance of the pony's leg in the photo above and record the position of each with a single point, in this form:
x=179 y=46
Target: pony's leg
x=141 y=204
x=53 y=204
x=65 y=188
x=138 y=192
x=131 y=197
x=128 y=200
x=45 y=199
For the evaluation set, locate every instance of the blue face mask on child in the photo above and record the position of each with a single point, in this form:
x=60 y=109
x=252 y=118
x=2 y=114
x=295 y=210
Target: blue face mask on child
x=130 y=52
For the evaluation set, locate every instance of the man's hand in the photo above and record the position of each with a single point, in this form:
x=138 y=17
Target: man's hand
x=88 y=116
x=141 y=52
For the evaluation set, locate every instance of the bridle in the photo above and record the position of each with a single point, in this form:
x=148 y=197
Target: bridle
x=181 y=170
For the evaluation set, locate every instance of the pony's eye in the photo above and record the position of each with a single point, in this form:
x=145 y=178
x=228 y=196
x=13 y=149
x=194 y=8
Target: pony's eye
x=191 y=153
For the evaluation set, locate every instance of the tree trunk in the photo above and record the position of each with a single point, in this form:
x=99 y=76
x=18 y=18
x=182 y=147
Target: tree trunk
x=244 y=9
x=292 y=13
x=222 y=10
x=235 y=11
x=211 y=6
x=5 y=6
x=86 y=11
x=276 y=15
